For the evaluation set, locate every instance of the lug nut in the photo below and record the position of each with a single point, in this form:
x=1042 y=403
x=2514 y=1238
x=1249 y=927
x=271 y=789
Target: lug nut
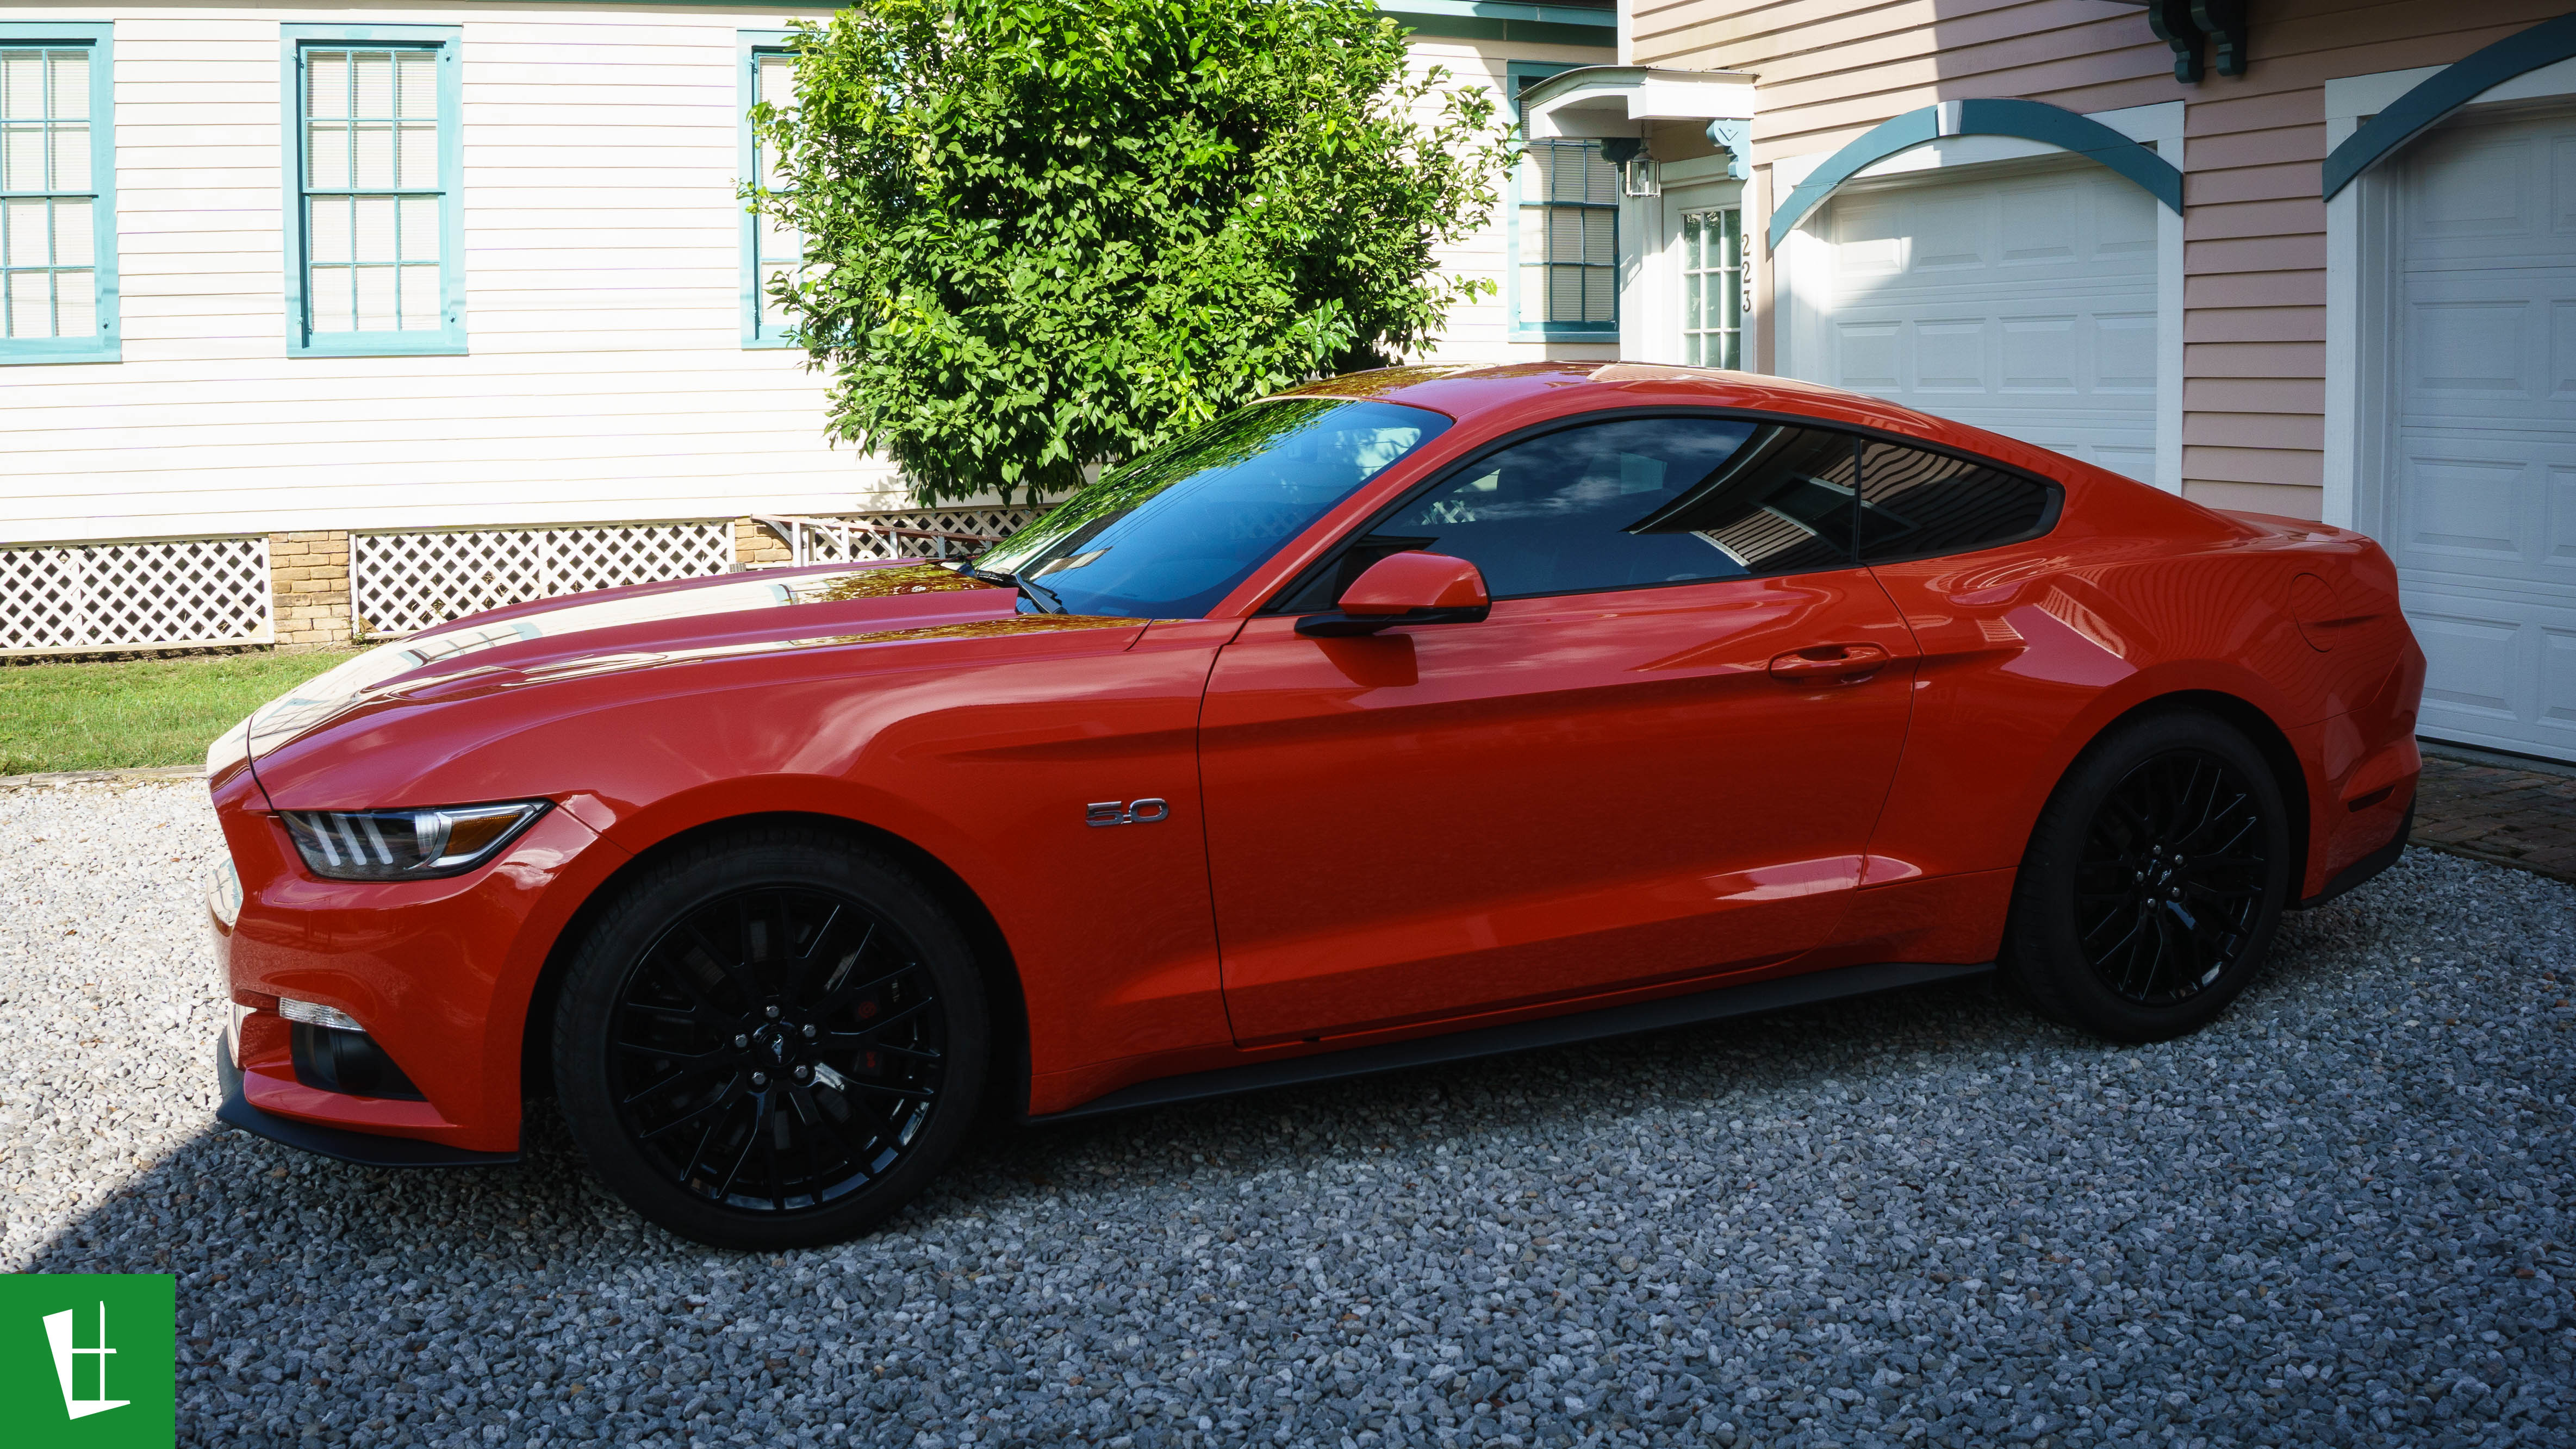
x=809 y=1030
x=802 y=1074
x=741 y=1041
x=773 y=1013
x=760 y=1079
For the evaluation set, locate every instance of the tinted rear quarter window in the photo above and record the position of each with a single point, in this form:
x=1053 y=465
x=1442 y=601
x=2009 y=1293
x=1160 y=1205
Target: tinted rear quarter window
x=1915 y=504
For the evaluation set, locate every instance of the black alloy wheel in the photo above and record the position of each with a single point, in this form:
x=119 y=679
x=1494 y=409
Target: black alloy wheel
x=771 y=1042
x=2172 y=878
x=778 y=1048
x=2154 y=880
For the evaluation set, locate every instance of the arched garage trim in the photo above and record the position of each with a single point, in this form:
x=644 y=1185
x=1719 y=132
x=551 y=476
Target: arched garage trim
x=2030 y=120
x=2437 y=95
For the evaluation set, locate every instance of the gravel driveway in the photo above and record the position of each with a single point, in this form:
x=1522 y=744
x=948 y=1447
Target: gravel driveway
x=2339 y=1216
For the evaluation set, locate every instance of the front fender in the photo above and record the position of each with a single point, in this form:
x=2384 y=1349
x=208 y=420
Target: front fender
x=983 y=752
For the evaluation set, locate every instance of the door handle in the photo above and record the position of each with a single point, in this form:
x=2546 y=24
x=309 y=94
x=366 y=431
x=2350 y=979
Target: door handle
x=1829 y=664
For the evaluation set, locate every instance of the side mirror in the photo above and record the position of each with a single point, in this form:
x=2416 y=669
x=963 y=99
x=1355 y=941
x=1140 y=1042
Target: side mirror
x=1405 y=588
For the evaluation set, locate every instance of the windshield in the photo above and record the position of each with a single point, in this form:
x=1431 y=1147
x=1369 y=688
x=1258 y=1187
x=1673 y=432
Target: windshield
x=1170 y=534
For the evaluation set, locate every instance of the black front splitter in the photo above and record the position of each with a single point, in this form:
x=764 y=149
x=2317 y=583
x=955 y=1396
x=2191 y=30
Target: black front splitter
x=367 y=1149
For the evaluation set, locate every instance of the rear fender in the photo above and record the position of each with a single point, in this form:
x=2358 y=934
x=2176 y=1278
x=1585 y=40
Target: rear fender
x=1975 y=810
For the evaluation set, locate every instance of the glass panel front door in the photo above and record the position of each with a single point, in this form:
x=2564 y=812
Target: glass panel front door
x=1713 y=287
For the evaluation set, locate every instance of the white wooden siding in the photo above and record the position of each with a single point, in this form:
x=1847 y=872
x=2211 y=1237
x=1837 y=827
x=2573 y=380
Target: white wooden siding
x=606 y=379
x=1480 y=331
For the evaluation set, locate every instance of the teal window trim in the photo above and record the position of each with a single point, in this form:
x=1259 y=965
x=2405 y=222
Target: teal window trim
x=108 y=345
x=750 y=46
x=1594 y=18
x=448 y=340
x=1526 y=24
x=2067 y=130
x=1520 y=75
x=2445 y=91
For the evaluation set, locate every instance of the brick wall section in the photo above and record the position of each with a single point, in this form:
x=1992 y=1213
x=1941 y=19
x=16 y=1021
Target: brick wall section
x=754 y=545
x=309 y=588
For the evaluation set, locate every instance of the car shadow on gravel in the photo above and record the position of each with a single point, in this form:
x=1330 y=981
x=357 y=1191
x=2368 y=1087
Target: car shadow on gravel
x=214 y=1197
x=2337 y=1215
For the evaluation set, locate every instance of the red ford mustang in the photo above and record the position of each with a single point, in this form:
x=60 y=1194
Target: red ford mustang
x=1401 y=718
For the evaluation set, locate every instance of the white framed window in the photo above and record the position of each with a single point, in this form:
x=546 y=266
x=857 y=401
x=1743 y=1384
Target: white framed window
x=771 y=247
x=374 y=247
x=57 y=194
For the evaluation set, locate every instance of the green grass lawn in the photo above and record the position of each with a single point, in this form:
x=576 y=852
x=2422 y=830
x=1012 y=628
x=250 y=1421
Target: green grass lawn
x=137 y=712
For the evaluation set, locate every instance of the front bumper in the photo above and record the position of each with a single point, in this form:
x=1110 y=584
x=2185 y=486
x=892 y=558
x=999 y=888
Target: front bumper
x=441 y=974
x=367 y=1149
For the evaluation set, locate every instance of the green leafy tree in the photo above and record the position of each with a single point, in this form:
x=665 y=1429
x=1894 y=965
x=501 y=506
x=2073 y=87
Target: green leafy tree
x=1042 y=234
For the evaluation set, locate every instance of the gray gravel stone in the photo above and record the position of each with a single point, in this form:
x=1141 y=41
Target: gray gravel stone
x=2338 y=1216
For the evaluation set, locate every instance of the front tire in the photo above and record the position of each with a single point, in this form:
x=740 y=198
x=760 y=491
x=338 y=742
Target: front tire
x=2154 y=881
x=771 y=1039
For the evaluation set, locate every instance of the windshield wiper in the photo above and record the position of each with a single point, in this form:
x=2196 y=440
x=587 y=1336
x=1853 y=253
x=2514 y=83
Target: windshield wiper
x=1039 y=593
x=1031 y=590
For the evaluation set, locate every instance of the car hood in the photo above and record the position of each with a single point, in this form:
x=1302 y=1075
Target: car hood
x=652 y=626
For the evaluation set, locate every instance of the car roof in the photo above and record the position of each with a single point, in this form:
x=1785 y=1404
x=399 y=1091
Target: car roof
x=1465 y=390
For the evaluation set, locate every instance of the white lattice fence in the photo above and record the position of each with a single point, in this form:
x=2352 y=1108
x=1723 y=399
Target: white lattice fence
x=174 y=592
x=403 y=582
x=857 y=541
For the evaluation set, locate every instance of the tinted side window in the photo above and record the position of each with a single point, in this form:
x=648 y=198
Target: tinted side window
x=1915 y=503
x=1555 y=514
x=1624 y=504
x=1781 y=505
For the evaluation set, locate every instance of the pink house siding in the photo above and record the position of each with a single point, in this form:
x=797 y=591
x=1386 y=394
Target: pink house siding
x=2254 y=255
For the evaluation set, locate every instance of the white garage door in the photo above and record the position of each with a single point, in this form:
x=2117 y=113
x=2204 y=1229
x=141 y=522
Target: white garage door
x=2023 y=302
x=2482 y=511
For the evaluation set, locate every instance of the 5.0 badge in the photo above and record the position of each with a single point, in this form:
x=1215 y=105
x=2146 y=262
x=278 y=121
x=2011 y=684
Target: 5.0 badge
x=1133 y=812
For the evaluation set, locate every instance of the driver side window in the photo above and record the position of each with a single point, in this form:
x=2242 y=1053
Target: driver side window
x=1632 y=503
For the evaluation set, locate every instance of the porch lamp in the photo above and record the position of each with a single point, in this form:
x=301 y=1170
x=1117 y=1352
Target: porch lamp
x=1636 y=168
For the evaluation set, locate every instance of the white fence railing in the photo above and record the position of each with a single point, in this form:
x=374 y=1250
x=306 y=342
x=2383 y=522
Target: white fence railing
x=928 y=533
x=400 y=583
x=172 y=593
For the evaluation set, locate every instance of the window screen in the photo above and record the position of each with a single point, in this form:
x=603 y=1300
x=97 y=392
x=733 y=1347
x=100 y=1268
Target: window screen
x=1569 y=236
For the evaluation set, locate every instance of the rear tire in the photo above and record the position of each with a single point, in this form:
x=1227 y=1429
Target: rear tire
x=771 y=1039
x=2154 y=881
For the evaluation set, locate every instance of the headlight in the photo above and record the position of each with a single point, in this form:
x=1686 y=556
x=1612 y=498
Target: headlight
x=405 y=844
